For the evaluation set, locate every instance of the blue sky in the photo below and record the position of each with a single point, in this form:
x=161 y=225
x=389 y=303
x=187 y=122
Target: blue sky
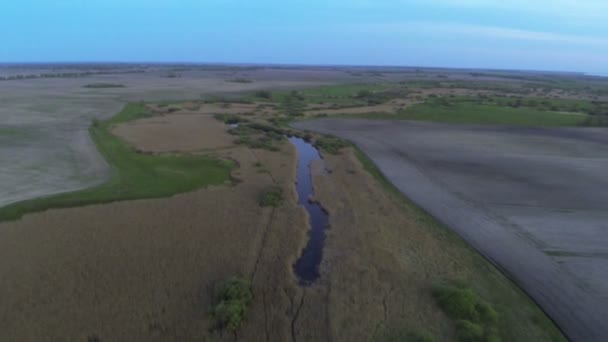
x=564 y=35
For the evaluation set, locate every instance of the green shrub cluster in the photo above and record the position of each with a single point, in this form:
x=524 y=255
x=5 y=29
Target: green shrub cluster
x=263 y=94
x=229 y=119
x=331 y=144
x=104 y=85
x=240 y=80
x=476 y=320
x=293 y=104
x=232 y=299
x=257 y=135
x=272 y=196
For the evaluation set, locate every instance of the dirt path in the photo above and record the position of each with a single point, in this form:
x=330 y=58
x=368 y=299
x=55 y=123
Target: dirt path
x=531 y=200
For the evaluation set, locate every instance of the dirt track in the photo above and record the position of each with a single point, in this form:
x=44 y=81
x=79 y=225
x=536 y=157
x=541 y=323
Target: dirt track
x=532 y=200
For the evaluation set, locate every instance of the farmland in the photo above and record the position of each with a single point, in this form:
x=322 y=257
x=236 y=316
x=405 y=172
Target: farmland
x=197 y=188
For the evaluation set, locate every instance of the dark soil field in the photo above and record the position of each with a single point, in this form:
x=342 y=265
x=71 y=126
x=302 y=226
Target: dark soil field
x=530 y=199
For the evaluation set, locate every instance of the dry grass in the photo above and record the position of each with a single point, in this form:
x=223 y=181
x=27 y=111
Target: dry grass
x=175 y=132
x=382 y=263
x=144 y=270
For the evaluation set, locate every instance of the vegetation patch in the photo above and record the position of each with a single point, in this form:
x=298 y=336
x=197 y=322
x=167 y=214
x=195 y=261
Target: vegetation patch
x=443 y=110
x=475 y=318
x=331 y=144
x=272 y=196
x=402 y=336
x=229 y=119
x=13 y=132
x=134 y=176
x=104 y=85
x=232 y=298
x=293 y=104
x=258 y=135
x=514 y=307
x=240 y=80
x=263 y=94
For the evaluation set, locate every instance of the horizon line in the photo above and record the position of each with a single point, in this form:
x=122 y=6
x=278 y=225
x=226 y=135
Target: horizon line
x=344 y=65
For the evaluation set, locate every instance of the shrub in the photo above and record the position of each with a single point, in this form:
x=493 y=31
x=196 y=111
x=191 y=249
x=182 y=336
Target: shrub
x=228 y=119
x=468 y=331
x=271 y=197
x=362 y=94
x=331 y=144
x=240 y=80
x=476 y=319
x=265 y=94
x=458 y=303
x=232 y=298
x=104 y=85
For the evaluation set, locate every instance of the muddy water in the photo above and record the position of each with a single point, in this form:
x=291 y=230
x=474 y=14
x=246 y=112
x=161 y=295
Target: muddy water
x=307 y=266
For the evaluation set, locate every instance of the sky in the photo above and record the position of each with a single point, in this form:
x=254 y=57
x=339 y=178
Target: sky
x=560 y=35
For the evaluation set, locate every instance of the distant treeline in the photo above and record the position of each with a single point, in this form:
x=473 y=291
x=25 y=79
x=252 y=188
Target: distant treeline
x=68 y=74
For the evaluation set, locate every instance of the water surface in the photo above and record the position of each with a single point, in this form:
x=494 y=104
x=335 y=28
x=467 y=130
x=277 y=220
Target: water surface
x=307 y=266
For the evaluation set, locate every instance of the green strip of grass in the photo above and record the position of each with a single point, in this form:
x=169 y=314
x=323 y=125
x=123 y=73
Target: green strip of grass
x=481 y=114
x=134 y=175
x=519 y=318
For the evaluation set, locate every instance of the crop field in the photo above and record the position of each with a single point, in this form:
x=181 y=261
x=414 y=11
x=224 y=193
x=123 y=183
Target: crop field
x=530 y=199
x=177 y=219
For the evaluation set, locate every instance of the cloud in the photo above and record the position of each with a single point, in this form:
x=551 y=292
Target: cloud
x=581 y=11
x=482 y=31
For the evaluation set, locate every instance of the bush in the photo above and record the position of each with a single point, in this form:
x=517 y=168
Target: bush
x=468 y=331
x=271 y=197
x=232 y=298
x=265 y=94
x=476 y=319
x=228 y=119
x=240 y=80
x=331 y=144
x=104 y=85
x=458 y=303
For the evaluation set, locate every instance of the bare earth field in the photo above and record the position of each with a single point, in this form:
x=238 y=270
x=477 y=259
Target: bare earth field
x=532 y=200
x=44 y=144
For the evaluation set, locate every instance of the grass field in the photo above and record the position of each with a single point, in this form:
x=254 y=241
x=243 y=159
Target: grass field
x=187 y=243
x=465 y=112
x=134 y=175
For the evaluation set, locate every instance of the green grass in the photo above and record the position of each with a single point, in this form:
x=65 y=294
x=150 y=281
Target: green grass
x=240 y=80
x=481 y=114
x=104 y=85
x=340 y=95
x=331 y=144
x=519 y=318
x=134 y=175
x=257 y=135
x=13 y=132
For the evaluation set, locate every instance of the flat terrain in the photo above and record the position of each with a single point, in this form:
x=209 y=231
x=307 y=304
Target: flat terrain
x=44 y=144
x=144 y=270
x=172 y=188
x=532 y=200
